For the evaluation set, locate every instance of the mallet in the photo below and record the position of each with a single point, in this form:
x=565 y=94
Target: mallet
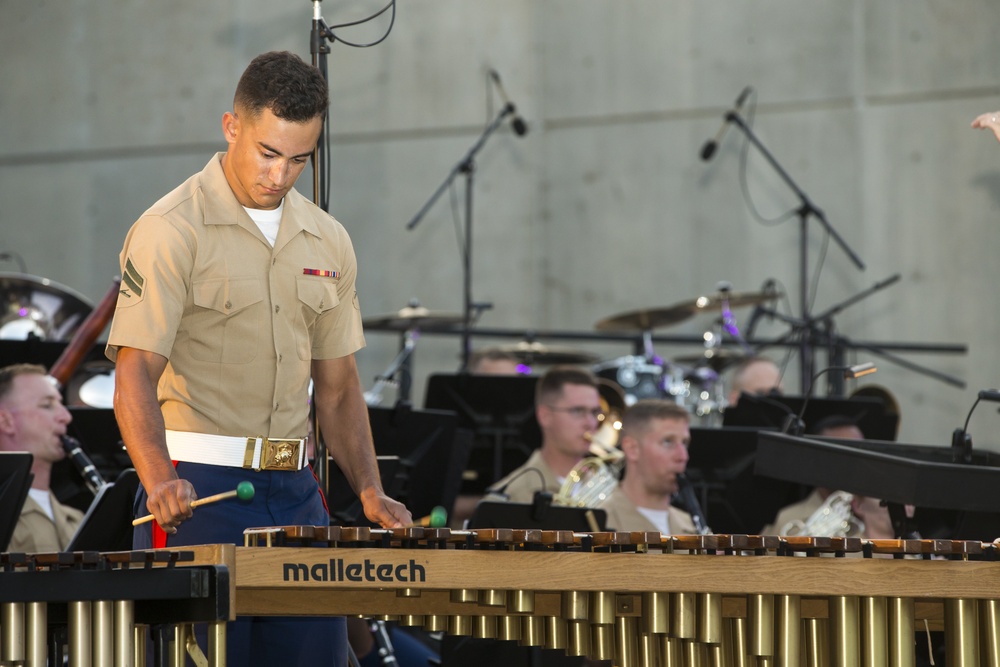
x=243 y=491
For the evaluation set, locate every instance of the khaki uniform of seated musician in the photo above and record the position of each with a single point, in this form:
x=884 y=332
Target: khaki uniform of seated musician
x=654 y=438
x=33 y=419
x=567 y=406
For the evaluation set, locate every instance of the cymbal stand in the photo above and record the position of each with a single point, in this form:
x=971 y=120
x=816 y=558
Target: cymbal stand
x=373 y=397
x=467 y=167
x=805 y=211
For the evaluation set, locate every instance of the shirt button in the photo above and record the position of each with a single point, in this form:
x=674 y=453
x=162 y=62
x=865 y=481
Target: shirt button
x=229 y=305
x=275 y=407
x=279 y=357
x=277 y=309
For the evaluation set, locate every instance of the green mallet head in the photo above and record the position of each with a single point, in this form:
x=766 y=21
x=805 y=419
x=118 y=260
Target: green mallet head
x=244 y=490
x=439 y=517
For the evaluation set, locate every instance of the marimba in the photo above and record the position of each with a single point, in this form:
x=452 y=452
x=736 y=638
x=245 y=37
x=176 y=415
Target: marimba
x=641 y=598
x=98 y=608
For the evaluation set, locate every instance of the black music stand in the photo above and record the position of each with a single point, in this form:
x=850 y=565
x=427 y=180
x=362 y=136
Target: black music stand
x=107 y=525
x=491 y=514
x=868 y=412
x=15 y=480
x=500 y=412
x=345 y=507
x=432 y=458
x=953 y=500
x=97 y=430
x=721 y=470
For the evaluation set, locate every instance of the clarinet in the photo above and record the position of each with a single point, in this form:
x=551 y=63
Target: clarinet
x=690 y=501
x=83 y=464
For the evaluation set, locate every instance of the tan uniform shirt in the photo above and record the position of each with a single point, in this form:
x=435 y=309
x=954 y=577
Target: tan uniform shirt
x=37 y=533
x=526 y=482
x=623 y=516
x=238 y=320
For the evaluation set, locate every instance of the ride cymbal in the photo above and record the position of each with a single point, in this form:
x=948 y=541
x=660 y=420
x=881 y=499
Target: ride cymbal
x=654 y=318
x=717 y=360
x=413 y=317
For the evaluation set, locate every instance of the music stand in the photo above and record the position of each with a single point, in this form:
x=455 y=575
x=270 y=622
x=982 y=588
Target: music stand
x=345 y=507
x=107 y=525
x=432 y=459
x=491 y=514
x=15 y=480
x=868 y=412
x=721 y=469
x=499 y=410
x=953 y=500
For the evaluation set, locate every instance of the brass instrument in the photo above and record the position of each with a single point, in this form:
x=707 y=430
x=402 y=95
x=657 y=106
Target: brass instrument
x=834 y=518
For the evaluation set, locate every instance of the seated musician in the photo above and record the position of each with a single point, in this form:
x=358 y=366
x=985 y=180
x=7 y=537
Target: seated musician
x=873 y=520
x=494 y=361
x=754 y=375
x=654 y=438
x=568 y=407
x=33 y=419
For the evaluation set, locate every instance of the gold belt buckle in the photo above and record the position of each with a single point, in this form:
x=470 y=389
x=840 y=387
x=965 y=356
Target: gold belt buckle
x=280 y=454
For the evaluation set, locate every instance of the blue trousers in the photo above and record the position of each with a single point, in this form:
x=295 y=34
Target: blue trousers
x=280 y=499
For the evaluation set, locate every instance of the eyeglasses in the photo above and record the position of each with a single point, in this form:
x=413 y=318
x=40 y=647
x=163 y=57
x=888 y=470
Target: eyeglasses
x=579 y=411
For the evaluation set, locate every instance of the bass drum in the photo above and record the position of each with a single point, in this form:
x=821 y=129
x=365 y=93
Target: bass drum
x=637 y=376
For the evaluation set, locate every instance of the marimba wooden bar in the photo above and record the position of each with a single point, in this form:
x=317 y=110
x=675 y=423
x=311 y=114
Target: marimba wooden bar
x=641 y=598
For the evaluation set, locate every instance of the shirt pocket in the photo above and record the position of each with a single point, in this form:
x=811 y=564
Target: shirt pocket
x=317 y=296
x=225 y=324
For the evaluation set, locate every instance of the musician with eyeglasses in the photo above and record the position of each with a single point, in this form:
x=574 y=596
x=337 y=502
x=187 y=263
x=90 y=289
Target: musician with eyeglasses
x=568 y=410
x=654 y=439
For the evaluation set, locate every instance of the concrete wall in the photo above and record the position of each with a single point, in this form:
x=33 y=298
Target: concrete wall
x=604 y=206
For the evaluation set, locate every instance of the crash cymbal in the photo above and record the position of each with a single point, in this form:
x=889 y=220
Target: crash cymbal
x=717 y=360
x=534 y=352
x=413 y=317
x=39 y=306
x=654 y=318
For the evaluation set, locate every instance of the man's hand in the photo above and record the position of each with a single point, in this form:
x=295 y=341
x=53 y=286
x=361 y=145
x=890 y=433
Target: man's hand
x=170 y=503
x=878 y=524
x=988 y=121
x=385 y=511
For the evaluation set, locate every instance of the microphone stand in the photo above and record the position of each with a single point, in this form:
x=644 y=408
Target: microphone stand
x=466 y=166
x=805 y=211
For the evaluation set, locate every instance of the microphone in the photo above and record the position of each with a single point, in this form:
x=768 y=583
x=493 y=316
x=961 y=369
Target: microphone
x=850 y=373
x=708 y=150
x=517 y=123
x=961 y=441
x=91 y=477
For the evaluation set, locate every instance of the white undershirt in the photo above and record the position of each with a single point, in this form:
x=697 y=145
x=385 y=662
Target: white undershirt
x=42 y=497
x=267 y=221
x=658 y=518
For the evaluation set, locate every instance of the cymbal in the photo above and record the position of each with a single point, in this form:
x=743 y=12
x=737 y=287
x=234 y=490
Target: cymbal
x=39 y=306
x=534 y=352
x=717 y=360
x=654 y=318
x=413 y=317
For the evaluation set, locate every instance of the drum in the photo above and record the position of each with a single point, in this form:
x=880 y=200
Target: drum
x=638 y=377
x=702 y=393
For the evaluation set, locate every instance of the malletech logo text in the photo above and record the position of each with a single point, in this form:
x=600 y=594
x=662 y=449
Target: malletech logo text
x=338 y=570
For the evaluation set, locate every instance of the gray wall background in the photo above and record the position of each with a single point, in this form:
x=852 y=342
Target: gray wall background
x=604 y=206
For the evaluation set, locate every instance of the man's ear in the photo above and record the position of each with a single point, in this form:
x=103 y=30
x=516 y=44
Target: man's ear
x=629 y=447
x=7 y=421
x=230 y=126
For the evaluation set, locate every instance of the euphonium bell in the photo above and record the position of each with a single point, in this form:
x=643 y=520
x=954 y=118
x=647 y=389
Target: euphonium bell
x=834 y=518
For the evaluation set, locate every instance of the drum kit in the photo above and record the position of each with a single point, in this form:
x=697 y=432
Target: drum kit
x=694 y=381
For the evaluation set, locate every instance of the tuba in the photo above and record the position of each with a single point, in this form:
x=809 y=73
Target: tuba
x=595 y=477
x=834 y=518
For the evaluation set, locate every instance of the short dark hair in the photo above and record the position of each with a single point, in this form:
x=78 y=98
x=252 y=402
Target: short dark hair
x=638 y=415
x=557 y=377
x=831 y=422
x=8 y=373
x=283 y=83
